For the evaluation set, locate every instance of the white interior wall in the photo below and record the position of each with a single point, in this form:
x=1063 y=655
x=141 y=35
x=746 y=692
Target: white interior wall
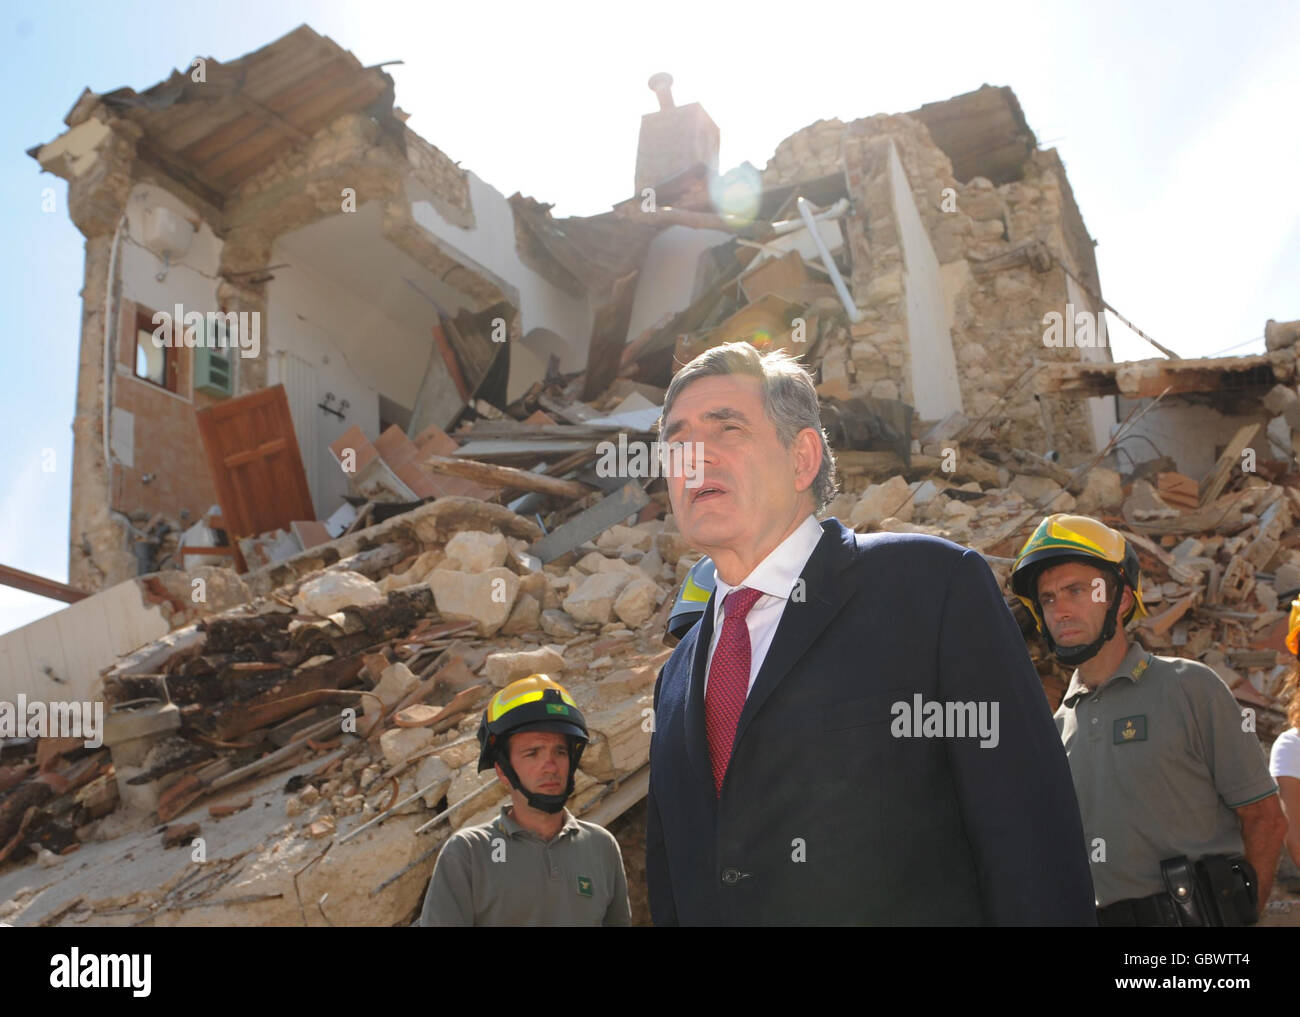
x=936 y=391
x=491 y=245
x=59 y=657
x=322 y=337
x=1192 y=434
x=190 y=281
x=667 y=280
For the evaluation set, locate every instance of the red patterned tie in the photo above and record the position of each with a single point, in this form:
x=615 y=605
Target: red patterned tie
x=728 y=680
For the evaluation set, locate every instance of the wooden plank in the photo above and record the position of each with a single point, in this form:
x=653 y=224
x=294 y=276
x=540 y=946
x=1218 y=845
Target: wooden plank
x=449 y=356
x=631 y=789
x=608 y=334
x=29 y=582
x=1213 y=484
x=506 y=477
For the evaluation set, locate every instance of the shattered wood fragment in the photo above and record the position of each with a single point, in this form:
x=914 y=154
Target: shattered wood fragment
x=1229 y=461
x=507 y=477
x=175 y=836
x=229 y=808
x=376 y=560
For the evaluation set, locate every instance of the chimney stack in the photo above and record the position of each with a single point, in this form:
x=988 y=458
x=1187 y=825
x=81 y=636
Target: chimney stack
x=673 y=139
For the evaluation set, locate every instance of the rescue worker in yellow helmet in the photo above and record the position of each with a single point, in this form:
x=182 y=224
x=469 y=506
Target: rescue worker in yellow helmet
x=1064 y=538
x=1180 y=815
x=534 y=864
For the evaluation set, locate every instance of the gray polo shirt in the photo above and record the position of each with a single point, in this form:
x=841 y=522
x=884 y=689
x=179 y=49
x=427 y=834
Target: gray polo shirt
x=501 y=874
x=1159 y=759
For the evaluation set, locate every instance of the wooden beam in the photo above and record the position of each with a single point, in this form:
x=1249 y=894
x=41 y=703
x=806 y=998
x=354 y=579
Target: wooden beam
x=173 y=166
x=41 y=586
x=449 y=357
x=506 y=476
x=1215 y=481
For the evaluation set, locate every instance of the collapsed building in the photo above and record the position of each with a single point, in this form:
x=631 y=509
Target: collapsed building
x=380 y=402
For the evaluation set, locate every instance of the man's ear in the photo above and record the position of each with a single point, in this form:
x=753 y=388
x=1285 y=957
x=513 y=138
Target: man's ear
x=501 y=774
x=807 y=458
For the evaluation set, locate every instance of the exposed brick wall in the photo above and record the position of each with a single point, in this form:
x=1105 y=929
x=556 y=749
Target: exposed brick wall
x=166 y=436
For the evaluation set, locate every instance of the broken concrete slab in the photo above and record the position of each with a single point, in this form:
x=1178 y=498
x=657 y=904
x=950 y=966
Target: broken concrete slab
x=334 y=591
x=593 y=600
x=503 y=667
x=637 y=601
x=475 y=551
x=485 y=598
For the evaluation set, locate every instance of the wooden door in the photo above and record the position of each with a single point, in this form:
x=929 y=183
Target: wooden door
x=255 y=463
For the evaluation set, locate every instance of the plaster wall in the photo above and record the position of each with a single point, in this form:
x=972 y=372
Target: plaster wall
x=491 y=245
x=935 y=388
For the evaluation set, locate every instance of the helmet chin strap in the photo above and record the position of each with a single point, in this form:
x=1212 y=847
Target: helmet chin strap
x=1073 y=656
x=543 y=803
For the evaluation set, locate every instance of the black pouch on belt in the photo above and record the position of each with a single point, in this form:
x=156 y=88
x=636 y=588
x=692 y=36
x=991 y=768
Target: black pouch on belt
x=1184 y=890
x=1230 y=883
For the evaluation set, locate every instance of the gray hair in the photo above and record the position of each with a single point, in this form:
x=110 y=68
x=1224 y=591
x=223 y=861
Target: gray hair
x=789 y=399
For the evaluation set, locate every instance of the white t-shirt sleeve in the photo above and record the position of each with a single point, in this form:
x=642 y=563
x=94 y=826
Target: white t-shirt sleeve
x=1285 y=759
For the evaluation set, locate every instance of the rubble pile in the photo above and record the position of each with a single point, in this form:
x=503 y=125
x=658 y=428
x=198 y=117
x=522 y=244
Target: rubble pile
x=1220 y=557
x=367 y=676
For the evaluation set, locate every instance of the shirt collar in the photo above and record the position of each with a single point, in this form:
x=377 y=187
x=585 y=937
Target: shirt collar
x=1133 y=667
x=776 y=575
x=507 y=823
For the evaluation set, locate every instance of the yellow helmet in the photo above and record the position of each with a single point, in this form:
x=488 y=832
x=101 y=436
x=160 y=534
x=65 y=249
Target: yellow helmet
x=1293 y=628
x=1060 y=538
x=535 y=703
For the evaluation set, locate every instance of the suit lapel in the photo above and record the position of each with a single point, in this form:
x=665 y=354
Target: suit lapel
x=803 y=621
x=697 y=740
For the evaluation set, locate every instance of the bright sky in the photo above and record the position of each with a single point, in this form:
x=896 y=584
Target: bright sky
x=1177 y=122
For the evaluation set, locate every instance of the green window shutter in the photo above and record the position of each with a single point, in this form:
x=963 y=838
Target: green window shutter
x=214 y=371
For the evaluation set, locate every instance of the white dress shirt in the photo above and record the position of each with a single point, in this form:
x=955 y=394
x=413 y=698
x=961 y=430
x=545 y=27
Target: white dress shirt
x=775 y=577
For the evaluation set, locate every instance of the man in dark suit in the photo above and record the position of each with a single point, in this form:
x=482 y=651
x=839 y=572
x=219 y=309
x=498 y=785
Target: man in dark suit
x=853 y=732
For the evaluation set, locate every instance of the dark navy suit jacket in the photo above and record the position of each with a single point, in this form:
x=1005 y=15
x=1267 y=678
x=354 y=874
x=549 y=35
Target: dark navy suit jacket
x=827 y=814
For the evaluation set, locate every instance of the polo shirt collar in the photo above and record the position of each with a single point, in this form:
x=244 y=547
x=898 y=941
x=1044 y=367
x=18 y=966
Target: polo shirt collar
x=511 y=828
x=776 y=574
x=1132 y=667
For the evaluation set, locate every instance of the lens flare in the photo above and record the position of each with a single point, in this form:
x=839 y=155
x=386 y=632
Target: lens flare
x=737 y=194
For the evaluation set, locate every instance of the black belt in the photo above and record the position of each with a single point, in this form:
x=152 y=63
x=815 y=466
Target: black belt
x=1157 y=909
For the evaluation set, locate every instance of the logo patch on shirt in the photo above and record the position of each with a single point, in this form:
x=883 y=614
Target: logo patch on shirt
x=1131 y=729
x=584 y=886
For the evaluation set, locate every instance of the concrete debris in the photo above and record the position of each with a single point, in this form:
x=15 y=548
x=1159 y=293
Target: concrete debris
x=475 y=551
x=331 y=593
x=593 y=600
x=557 y=624
x=401 y=743
x=637 y=602
x=484 y=598
x=504 y=667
